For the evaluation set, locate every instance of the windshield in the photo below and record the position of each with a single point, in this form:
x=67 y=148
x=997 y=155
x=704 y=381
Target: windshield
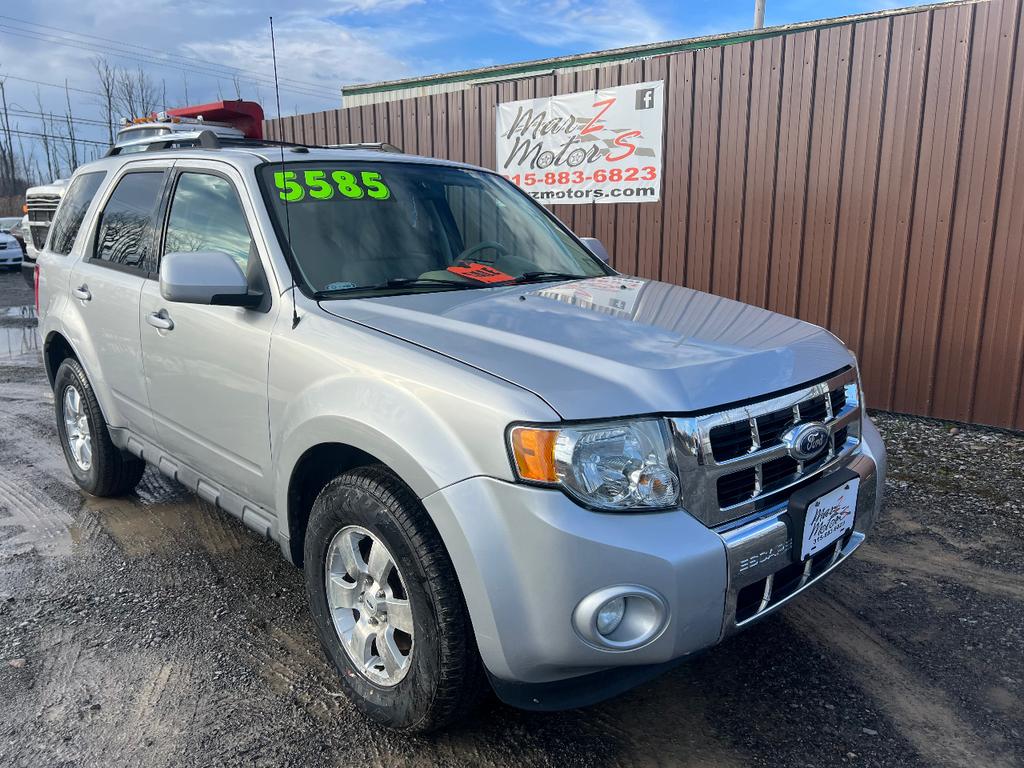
x=363 y=228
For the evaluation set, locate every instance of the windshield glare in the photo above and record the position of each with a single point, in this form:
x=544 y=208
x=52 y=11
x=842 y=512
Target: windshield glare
x=356 y=227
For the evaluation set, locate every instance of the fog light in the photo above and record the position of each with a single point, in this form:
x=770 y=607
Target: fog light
x=610 y=615
x=620 y=618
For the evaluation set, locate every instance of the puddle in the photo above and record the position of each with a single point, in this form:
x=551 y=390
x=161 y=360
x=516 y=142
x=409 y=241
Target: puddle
x=142 y=529
x=163 y=516
x=18 y=332
x=25 y=312
x=154 y=488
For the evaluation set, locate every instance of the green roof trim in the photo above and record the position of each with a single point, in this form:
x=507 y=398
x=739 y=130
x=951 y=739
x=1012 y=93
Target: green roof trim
x=510 y=71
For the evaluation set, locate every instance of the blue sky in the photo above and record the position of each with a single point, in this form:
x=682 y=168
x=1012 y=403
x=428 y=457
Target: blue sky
x=215 y=49
x=460 y=35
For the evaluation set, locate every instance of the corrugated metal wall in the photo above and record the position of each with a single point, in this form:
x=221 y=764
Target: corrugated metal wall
x=868 y=177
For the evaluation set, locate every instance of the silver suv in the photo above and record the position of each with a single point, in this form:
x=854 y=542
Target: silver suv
x=498 y=461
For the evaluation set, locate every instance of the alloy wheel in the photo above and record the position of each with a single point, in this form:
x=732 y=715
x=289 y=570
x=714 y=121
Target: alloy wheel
x=369 y=605
x=76 y=426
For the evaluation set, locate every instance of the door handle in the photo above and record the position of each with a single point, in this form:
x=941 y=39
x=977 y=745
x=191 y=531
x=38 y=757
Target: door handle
x=160 y=320
x=82 y=292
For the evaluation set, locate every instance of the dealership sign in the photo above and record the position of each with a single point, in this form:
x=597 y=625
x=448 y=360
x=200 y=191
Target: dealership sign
x=595 y=147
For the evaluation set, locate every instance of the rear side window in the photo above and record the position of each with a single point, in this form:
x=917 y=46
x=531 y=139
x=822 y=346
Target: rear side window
x=72 y=211
x=125 y=233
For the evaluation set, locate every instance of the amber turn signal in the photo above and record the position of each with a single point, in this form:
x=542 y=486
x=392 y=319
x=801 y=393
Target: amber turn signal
x=534 y=452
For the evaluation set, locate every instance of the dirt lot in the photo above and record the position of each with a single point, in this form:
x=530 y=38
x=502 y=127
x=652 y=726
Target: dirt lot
x=156 y=631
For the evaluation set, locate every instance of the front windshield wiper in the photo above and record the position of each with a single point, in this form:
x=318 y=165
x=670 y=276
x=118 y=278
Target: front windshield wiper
x=398 y=282
x=529 y=277
x=402 y=282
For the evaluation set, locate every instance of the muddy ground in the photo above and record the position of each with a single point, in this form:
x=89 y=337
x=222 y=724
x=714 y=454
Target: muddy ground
x=156 y=631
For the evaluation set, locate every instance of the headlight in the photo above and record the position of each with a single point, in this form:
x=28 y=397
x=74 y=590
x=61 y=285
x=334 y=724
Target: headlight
x=616 y=465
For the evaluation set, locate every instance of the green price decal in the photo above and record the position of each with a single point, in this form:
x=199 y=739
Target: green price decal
x=319 y=185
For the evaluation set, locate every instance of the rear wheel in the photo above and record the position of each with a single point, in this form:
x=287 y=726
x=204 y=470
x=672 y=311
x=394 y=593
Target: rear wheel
x=97 y=465
x=387 y=605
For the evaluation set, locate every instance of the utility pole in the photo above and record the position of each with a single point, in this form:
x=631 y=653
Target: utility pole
x=759 y=14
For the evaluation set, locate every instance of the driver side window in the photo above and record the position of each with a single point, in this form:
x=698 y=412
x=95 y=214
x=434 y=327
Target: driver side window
x=206 y=215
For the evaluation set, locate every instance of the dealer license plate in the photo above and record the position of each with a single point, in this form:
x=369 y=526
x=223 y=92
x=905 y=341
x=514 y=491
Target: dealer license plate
x=829 y=517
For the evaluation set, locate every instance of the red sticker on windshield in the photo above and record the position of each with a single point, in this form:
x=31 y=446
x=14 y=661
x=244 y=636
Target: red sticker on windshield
x=481 y=273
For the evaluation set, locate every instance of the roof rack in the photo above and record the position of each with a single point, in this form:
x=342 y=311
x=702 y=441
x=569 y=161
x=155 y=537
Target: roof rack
x=207 y=139
x=378 y=146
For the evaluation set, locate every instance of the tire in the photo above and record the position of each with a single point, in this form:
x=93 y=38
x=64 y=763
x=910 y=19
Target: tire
x=108 y=470
x=443 y=678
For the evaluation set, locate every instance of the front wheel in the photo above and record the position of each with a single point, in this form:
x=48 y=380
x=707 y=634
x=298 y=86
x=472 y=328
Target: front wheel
x=97 y=465
x=387 y=605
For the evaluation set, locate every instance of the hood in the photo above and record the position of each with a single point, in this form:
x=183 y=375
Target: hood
x=611 y=346
x=56 y=187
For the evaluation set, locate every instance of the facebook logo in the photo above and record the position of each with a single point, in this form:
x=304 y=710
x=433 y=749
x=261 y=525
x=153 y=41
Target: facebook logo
x=645 y=98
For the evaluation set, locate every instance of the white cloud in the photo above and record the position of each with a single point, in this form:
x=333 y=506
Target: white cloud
x=345 y=6
x=317 y=53
x=597 y=24
x=322 y=44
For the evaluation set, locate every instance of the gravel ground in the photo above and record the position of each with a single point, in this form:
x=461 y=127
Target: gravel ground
x=156 y=631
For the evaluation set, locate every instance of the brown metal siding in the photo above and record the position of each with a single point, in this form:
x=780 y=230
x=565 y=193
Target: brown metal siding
x=866 y=177
x=999 y=394
x=856 y=222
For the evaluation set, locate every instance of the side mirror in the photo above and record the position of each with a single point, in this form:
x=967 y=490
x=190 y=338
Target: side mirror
x=205 y=277
x=596 y=247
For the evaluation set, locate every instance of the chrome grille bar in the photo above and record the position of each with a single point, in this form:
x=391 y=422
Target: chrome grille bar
x=700 y=472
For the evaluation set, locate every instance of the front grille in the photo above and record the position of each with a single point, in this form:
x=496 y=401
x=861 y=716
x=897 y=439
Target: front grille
x=838 y=399
x=39 y=237
x=839 y=439
x=771 y=426
x=42 y=207
x=730 y=440
x=734 y=462
x=734 y=488
x=764 y=593
x=815 y=409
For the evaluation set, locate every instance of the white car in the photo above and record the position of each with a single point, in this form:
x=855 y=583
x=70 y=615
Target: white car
x=10 y=252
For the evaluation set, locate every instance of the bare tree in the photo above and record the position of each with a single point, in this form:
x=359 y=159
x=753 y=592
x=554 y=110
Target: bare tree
x=136 y=93
x=107 y=76
x=7 y=165
x=45 y=136
x=73 y=159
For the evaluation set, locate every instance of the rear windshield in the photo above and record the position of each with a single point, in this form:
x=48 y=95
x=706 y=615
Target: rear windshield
x=362 y=228
x=135 y=134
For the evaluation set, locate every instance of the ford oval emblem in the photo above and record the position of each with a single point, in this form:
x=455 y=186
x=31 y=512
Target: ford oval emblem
x=807 y=440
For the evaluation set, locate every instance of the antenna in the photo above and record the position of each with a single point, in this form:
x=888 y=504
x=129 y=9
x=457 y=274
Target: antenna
x=287 y=218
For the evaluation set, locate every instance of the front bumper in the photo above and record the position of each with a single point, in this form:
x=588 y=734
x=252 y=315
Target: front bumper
x=10 y=257
x=526 y=556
